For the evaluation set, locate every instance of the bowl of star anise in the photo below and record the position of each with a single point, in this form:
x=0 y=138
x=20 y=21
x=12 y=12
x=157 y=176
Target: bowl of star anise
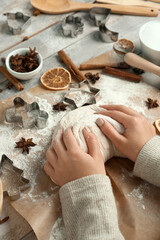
x=24 y=63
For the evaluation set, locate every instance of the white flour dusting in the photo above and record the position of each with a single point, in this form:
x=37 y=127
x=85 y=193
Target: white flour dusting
x=113 y=90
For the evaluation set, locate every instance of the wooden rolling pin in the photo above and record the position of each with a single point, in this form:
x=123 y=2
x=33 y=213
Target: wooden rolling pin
x=136 y=61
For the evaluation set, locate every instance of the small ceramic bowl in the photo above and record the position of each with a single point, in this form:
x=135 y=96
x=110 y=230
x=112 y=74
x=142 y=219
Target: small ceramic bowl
x=26 y=75
x=149 y=35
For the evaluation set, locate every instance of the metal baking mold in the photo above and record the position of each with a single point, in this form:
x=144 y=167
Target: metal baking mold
x=99 y=15
x=81 y=94
x=16 y=194
x=27 y=115
x=107 y=35
x=12 y=21
x=72 y=26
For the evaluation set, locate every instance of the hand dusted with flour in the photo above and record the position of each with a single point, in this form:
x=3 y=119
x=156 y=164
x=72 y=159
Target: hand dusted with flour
x=86 y=117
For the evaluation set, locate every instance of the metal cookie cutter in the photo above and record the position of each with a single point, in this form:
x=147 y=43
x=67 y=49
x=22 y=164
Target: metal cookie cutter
x=100 y=17
x=81 y=94
x=72 y=26
x=27 y=115
x=13 y=192
x=17 y=22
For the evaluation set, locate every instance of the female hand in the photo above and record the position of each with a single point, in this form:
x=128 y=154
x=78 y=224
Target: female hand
x=137 y=129
x=66 y=161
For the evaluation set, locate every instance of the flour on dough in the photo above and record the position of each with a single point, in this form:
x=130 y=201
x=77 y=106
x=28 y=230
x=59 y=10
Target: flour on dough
x=86 y=117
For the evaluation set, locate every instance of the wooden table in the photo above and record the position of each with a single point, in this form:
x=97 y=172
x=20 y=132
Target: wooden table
x=45 y=34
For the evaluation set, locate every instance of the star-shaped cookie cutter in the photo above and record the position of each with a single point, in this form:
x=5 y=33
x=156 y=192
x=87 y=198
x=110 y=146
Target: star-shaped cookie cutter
x=100 y=17
x=15 y=194
x=27 y=115
x=12 y=25
x=72 y=26
x=78 y=96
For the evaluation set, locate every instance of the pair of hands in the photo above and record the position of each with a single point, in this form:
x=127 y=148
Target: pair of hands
x=66 y=161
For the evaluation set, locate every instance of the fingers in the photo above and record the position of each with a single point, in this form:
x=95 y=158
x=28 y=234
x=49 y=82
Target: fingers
x=58 y=144
x=70 y=140
x=109 y=131
x=121 y=108
x=92 y=143
x=49 y=170
x=51 y=157
x=120 y=117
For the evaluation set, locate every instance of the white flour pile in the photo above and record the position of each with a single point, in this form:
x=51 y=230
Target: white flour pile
x=113 y=91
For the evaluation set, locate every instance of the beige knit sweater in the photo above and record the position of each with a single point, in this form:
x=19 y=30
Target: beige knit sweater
x=88 y=204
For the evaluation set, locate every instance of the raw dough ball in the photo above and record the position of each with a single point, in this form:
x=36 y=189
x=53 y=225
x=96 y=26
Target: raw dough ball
x=85 y=117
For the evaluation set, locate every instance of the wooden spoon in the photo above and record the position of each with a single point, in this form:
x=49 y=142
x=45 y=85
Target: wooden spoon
x=1 y=196
x=136 y=61
x=64 y=6
x=132 y=3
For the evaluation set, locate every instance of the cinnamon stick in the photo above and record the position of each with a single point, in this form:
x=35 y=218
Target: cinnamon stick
x=11 y=78
x=4 y=220
x=72 y=67
x=122 y=74
x=89 y=66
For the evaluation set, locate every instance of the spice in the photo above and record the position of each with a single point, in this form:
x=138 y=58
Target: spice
x=9 y=85
x=3 y=59
x=36 y=12
x=59 y=107
x=25 y=144
x=24 y=63
x=138 y=71
x=11 y=78
x=4 y=220
x=1 y=90
x=92 y=77
x=152 y=103
x=25 y=38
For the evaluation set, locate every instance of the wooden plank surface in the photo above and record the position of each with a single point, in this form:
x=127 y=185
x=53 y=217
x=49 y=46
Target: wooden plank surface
x=48 y=42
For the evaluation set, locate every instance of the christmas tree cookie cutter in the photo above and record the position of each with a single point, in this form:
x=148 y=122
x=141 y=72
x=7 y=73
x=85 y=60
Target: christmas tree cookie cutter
x=100 y=17
x=13 y=194
x=27 y=115
x=81 y=94
x=72 y=26
x=13 y=21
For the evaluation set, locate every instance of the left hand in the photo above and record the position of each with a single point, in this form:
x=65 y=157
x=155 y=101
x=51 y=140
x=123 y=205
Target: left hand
x=66 y=161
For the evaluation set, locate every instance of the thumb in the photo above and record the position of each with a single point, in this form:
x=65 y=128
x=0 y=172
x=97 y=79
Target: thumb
x=109 y=131
x=92 y=143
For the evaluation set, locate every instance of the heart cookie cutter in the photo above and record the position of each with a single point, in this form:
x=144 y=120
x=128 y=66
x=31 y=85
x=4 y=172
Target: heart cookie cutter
x=81 y=94
x=12 y=21
x=100 y=17
x=27 y=115
x=13 y=195
x=72 y=26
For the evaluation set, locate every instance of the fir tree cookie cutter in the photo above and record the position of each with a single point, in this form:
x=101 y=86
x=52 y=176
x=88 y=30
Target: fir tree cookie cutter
x=81 y=94
x=27 y=115
x=17 y=22
x=72 y=26
x=100 y=17
x=15 y=192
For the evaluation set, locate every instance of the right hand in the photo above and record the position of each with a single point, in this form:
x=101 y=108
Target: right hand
x=137 y=132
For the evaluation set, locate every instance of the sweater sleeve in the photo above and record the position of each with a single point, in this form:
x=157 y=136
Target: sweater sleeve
x=147 y=165
x=89 y=209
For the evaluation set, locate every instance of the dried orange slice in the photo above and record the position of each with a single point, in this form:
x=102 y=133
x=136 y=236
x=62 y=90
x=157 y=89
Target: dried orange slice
x=157 y=125
x=56 y=79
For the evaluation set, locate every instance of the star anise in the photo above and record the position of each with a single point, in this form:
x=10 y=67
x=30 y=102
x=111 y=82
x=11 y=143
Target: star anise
x=25 y=144
x=152 y=103
x=1 y=90
x=138 y=71
x=25 y=63
x=59 y=107
x=9 y=85
x=92 y=77
x=3 y=59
